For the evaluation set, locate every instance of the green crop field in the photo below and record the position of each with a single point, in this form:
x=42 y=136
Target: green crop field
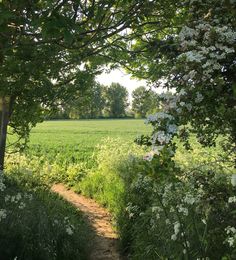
x=76 y=140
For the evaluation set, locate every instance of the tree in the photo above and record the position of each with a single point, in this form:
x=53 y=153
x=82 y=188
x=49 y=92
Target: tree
x=88 y=103
x=116 y=100
x=49 y=49
x=195 y=58
x=144 y=101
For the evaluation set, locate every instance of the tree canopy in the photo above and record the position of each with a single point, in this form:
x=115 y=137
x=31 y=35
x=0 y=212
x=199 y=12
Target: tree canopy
x=49 y=49
x=116 y=97
x=144 y=102
x=194 y=57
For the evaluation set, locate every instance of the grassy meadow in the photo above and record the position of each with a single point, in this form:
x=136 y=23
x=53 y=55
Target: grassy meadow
x=75 y=140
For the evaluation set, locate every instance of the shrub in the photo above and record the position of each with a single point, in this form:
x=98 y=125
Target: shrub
x=189 y=218
x=161 y=211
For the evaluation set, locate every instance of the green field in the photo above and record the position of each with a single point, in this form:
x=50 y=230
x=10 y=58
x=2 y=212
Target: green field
x=76 y=140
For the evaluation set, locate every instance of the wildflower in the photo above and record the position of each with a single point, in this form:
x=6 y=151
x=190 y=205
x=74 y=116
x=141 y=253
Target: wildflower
x=176 y=227
x=148 y=157
x=167 y=221
x=22 y=205
x=233 y=180
x=7 y=198
x=182 y=209
x=2 y=186
x=189 y=199
x=69 y=231
x=172 y=128
x=199 y=98
x=232 y=199
x=3 y=214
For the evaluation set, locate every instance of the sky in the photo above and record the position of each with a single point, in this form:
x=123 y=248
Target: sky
x=119 y=76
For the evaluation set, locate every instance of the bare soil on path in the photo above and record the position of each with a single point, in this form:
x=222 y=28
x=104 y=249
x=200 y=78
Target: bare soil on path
x=105 y=240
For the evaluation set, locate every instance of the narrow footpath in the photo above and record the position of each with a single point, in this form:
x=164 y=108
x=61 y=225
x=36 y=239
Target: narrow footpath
x=105 y=240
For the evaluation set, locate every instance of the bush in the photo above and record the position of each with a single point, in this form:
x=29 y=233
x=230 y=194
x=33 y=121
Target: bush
x=189 y=218
x=39 y=225
x=163 y=212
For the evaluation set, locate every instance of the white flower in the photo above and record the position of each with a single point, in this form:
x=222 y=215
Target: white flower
x=232 y=199
x=162 y=137
x=7 y=198
x=148 y=157
x=173 y=237
x=157 y=148
x=182 y=209
x=2 y=186
x=69 y=231
x=3 y=214
x=189 y=199
x=176 y=227
x=182 y=92
x=167 y=221
x=189 y=107
x=199 y=98
x=233 y=179
x=22 y=205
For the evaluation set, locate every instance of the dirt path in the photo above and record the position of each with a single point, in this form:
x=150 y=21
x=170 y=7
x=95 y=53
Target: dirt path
x=105 y=241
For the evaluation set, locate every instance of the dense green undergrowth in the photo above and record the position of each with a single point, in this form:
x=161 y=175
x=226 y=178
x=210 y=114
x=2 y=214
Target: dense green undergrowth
x=36 y=224
x=188 y=214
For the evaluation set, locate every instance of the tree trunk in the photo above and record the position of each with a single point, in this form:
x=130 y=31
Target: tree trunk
x=6 y=111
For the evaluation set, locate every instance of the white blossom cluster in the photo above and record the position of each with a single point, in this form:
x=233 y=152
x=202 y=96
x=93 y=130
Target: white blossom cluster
x=231 y=236
x=164 y=131
x=2 y=185
x=3 y=214
x=207 y=45
x=158 y=117
x=19 y=199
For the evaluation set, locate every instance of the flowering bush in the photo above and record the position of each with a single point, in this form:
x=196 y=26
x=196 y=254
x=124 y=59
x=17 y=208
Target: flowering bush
x=164 y=211
x=192 y=217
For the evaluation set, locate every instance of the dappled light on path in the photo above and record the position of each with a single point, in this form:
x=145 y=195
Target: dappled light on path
x=105 y=241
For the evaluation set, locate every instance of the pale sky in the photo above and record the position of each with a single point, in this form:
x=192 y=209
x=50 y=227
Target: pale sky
x=119 y=76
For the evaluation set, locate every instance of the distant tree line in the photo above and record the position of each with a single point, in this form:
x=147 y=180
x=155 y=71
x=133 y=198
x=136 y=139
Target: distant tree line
x=99 y=101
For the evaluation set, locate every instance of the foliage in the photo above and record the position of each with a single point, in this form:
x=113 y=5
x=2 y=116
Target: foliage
x=96 y=101
x=162 y=214
x=144 y=102
x=178 y=220
x=51 y=49
x=195 y=59
x=116 y=97
x=86 y=104
x=36 y=224
x=123 y=178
